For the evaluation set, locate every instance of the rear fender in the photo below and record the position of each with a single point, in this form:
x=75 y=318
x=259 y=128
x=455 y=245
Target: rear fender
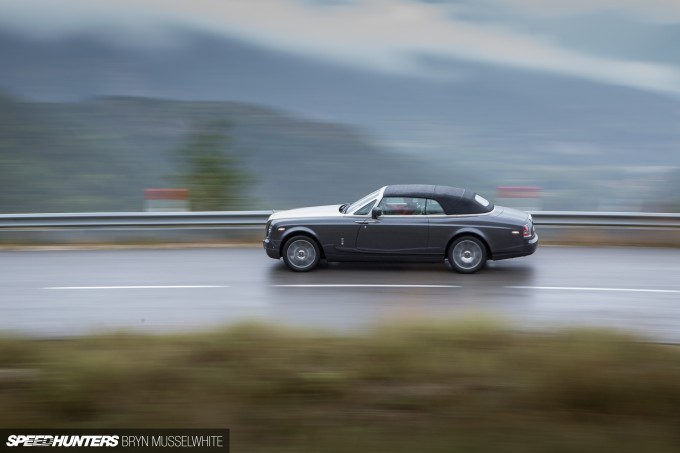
x=470 y=231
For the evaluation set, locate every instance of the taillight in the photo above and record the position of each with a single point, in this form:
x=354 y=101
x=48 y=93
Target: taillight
x=526 y=231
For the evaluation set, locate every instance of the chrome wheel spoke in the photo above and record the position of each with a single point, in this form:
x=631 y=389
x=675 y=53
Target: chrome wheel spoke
x=467 y=254
x=301 y=253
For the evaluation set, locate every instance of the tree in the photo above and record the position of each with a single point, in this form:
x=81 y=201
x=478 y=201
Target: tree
x=210 y=171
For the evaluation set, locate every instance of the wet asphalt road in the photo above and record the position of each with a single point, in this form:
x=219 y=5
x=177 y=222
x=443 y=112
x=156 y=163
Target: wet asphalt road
x=70 y=292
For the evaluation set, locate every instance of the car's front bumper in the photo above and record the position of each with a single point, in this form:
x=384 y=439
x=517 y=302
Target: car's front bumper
x=272 y=248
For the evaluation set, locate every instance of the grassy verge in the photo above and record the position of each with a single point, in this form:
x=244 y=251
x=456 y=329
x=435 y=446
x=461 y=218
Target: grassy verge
x=473 y=386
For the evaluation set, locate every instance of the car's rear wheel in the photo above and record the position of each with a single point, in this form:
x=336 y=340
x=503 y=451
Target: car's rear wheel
x=467 y=254
x=301 y=253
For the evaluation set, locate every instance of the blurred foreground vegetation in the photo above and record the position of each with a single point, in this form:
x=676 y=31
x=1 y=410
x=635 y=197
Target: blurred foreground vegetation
x=468 y=386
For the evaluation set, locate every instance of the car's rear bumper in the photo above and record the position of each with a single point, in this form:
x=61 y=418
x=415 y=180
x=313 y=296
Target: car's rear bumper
x=272 y=248
x=530 y=247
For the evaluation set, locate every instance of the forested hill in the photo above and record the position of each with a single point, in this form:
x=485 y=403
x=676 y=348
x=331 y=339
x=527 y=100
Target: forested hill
x=100 y=155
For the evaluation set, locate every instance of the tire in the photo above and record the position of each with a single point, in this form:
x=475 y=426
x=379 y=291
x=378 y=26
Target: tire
x=467 y=254
x=301 y=253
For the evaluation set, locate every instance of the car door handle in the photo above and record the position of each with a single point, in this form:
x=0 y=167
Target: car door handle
x=366 y=222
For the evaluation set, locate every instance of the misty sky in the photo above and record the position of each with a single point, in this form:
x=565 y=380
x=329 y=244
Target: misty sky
x=620 y=42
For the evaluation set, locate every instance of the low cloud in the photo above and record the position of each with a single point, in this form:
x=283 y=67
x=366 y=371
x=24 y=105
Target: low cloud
x=661 y=11
x=378 y=35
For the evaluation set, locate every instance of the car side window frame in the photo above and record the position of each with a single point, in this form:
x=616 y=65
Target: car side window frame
x=377 y=200
x=429 y=201
x=372 y=203
x=388 y=214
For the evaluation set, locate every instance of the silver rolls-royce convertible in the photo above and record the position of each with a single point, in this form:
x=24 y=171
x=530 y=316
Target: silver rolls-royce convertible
x=415 y=223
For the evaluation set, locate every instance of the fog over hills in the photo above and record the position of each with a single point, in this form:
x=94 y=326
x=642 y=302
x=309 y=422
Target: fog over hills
x=477 y=124
x=480 y=103
x=100 y=155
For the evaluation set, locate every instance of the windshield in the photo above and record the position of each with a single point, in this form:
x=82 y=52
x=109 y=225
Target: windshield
x=359 y=203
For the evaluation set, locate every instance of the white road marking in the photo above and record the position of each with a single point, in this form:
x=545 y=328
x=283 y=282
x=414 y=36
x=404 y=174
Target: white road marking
x=350 y=285
x=573 y=288
x=363 y=286
x=140 y=287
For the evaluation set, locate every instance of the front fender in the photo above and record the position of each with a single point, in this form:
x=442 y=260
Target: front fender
x=292 y=231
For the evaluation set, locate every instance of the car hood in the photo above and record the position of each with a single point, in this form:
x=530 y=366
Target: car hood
x=314 y=211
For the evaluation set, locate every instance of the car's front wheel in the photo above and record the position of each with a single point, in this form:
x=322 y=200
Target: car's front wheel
x=467 y=254
x=301 y=253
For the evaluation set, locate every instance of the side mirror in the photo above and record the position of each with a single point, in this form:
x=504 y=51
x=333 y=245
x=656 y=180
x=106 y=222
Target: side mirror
x=376 y=212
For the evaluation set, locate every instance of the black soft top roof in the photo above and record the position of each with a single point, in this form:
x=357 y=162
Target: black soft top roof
x=452 y=199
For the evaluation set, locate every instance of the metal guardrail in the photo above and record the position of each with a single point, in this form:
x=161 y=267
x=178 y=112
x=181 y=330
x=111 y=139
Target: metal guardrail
x=132 y=227
x=639 y=220
x=115 y=220
x=615 y=228
x=257 y=219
